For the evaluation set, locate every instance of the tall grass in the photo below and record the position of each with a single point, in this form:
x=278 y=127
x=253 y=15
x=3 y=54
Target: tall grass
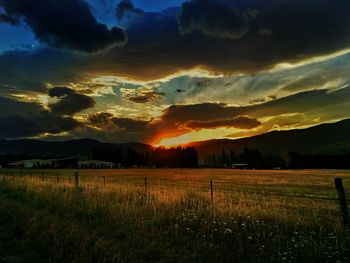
x=119 y=222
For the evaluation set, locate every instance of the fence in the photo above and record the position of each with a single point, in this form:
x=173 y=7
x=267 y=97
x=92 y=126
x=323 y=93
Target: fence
x=47 y=176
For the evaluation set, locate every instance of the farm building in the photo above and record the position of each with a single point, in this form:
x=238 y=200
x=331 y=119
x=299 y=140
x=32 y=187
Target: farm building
x=65 y=163
x=34 y=163
x=72 y=162
x=51 y=163
x=94 y=164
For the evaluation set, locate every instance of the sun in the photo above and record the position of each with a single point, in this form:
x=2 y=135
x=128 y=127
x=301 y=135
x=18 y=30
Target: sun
x=194 y=136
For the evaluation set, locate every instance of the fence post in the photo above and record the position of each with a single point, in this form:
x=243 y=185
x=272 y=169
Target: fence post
x=104 y=180
x=146 y=186
x=76 y=176
x=211 y=191
x=42 y=176
x=342 y=200
x=57 y=178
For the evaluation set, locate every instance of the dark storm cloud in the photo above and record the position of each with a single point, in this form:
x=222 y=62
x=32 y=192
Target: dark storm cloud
x=126 y=9
x=145 y=97
x=105 y=119
x=60 y=91
x=239 y=122
x=217 y=18
x=99 y=118
x=131 y=125
x=23 y=119
x=16 y=126
x=42 y=65
x=72 y=103
x=63 y=24
x=10 y=106
x=180 y=119
x=302 y=102
x=299 y=30
x=107 y=127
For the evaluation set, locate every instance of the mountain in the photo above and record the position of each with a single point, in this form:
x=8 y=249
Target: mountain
x=79 y=148
x=331 y=138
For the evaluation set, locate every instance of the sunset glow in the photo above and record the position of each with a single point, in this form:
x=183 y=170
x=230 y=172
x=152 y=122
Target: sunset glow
x=126 y=79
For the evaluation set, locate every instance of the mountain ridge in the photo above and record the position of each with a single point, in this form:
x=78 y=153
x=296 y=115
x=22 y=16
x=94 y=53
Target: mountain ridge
x=327 y=138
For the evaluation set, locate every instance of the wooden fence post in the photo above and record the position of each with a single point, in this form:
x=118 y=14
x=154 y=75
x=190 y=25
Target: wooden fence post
x=211 y=191
x=76 y=176
x=146 y=186
x=42 y=176
x=104 y=180
x=342 y=200
x=57 y=178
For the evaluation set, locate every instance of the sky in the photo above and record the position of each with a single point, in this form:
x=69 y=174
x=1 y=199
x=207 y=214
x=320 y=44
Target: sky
x=169 y=72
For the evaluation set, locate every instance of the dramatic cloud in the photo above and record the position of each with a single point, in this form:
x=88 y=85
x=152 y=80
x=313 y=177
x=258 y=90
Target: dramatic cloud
x=239 y=122
x=145 y=97
x=105 y=120
x=63 y=24
x=157 y=49
x=16 y=126
x=72 y=103
x=60 y=91
x=217 y=18
x=22 y=119
x=321 y=28
x=10 y=106
x=189 y=71
x=312 y=102
x=126 y=10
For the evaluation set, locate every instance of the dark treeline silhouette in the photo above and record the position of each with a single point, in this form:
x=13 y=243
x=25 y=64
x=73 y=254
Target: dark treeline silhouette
x=159 y=157
x=253 y=159
x=313 y=161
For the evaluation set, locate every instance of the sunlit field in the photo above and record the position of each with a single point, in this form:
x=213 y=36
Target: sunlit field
x=170 y=215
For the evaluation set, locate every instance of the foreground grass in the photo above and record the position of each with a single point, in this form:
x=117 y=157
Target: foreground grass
x=41 y=221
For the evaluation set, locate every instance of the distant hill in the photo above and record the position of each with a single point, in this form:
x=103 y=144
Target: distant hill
x=79 y=148
x=332 y=138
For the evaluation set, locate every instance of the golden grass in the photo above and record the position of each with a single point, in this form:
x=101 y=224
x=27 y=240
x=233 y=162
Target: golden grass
x=256 y=216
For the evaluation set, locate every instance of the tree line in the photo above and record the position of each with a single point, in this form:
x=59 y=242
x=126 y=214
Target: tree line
x=319 y=161
x=158 y=157
x=257 y=160
x=251 y=157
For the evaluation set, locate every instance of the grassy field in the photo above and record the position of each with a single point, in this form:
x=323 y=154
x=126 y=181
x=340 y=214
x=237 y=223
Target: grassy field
x=255 y=216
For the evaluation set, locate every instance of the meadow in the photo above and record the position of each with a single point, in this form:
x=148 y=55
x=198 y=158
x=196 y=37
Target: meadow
x=117 y=216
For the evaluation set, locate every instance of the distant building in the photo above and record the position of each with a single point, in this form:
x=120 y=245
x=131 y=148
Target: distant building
x=66 y=163
x=94 y=164
x=34 y=163
x=71 y=162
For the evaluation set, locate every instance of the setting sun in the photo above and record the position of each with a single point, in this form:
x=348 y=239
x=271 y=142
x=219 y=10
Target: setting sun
x=195 y=136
